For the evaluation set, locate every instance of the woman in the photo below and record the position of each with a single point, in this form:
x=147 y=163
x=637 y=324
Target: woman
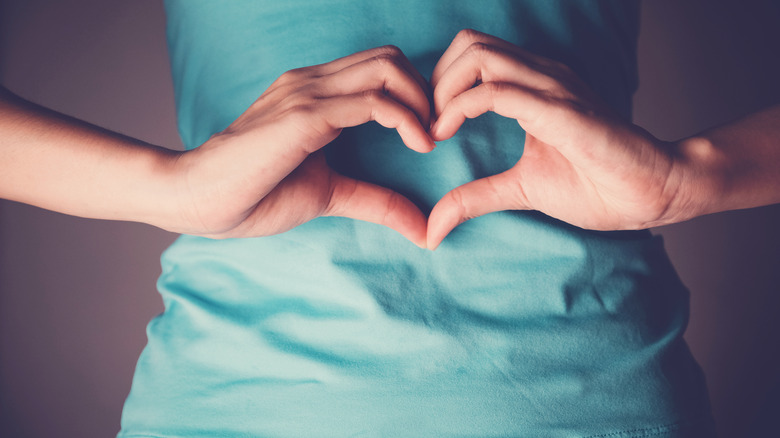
x=517 y=325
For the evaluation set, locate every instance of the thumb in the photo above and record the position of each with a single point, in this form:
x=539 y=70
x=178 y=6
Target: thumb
x=371 y=203
x=482 y=196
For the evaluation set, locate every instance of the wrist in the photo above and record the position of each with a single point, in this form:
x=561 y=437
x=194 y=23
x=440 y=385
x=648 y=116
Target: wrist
x=699 y=177
x=152 y=194
x=207 y=190
x=184 y=187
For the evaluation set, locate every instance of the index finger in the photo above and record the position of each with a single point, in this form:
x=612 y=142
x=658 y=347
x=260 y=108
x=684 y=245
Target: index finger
x=387 y=51
x=466 y=38
x=379 y=73
x=485 y=63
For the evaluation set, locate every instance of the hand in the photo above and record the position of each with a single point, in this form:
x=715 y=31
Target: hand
x=265 y=173
x=581 y=162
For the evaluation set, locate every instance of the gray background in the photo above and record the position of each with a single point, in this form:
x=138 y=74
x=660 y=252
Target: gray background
x=76 y=294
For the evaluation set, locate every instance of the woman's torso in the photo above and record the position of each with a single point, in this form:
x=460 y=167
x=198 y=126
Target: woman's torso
x=518 y=325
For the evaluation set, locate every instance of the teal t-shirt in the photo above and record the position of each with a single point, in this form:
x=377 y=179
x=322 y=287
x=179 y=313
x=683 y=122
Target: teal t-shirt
x=517 y=326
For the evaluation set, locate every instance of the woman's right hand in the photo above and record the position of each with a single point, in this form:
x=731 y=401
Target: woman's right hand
x=266 y=174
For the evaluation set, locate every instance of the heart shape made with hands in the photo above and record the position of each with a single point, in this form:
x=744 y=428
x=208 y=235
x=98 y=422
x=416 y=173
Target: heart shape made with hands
x=581 y=162
x=476 y=74
x=463 y=85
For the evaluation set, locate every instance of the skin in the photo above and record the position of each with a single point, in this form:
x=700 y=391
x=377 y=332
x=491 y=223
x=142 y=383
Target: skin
x=582 y=163
x=262 y=175
x=266 y=174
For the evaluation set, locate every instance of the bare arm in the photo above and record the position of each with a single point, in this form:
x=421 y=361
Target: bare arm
x=59 y=163
x=730 y=167
x=263 y=175
x=582 y=163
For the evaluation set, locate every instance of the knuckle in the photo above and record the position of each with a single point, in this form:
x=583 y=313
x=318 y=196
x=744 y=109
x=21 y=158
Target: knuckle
x=494 y=89
x=478 y=48
x=385 y=62
x=569 y=105
x=340 y=193
x=372 y=96
x=389 y=71
x=518 y=198
x=468 y=36
x=456 y=196
x=390 y=51
x=552 y=85
x=291 y=76
x=393 y=203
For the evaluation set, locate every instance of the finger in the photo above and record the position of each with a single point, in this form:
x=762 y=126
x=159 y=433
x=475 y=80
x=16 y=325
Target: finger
x=476 y=198
x=467 y=37
x=550 y=120
x=388 y=51
x=372 y=105
x=379 y=73
x=481 y=62
x=580 y=134
x=371 y=203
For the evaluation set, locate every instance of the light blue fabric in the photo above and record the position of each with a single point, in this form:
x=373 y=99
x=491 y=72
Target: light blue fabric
x=517 y=326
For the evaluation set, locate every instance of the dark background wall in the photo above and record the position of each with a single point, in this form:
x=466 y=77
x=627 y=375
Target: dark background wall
x=76 y=294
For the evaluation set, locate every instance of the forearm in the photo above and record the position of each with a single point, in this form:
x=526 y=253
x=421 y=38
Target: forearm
x=263 y=175
x=734 y=166
x=55 y=162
